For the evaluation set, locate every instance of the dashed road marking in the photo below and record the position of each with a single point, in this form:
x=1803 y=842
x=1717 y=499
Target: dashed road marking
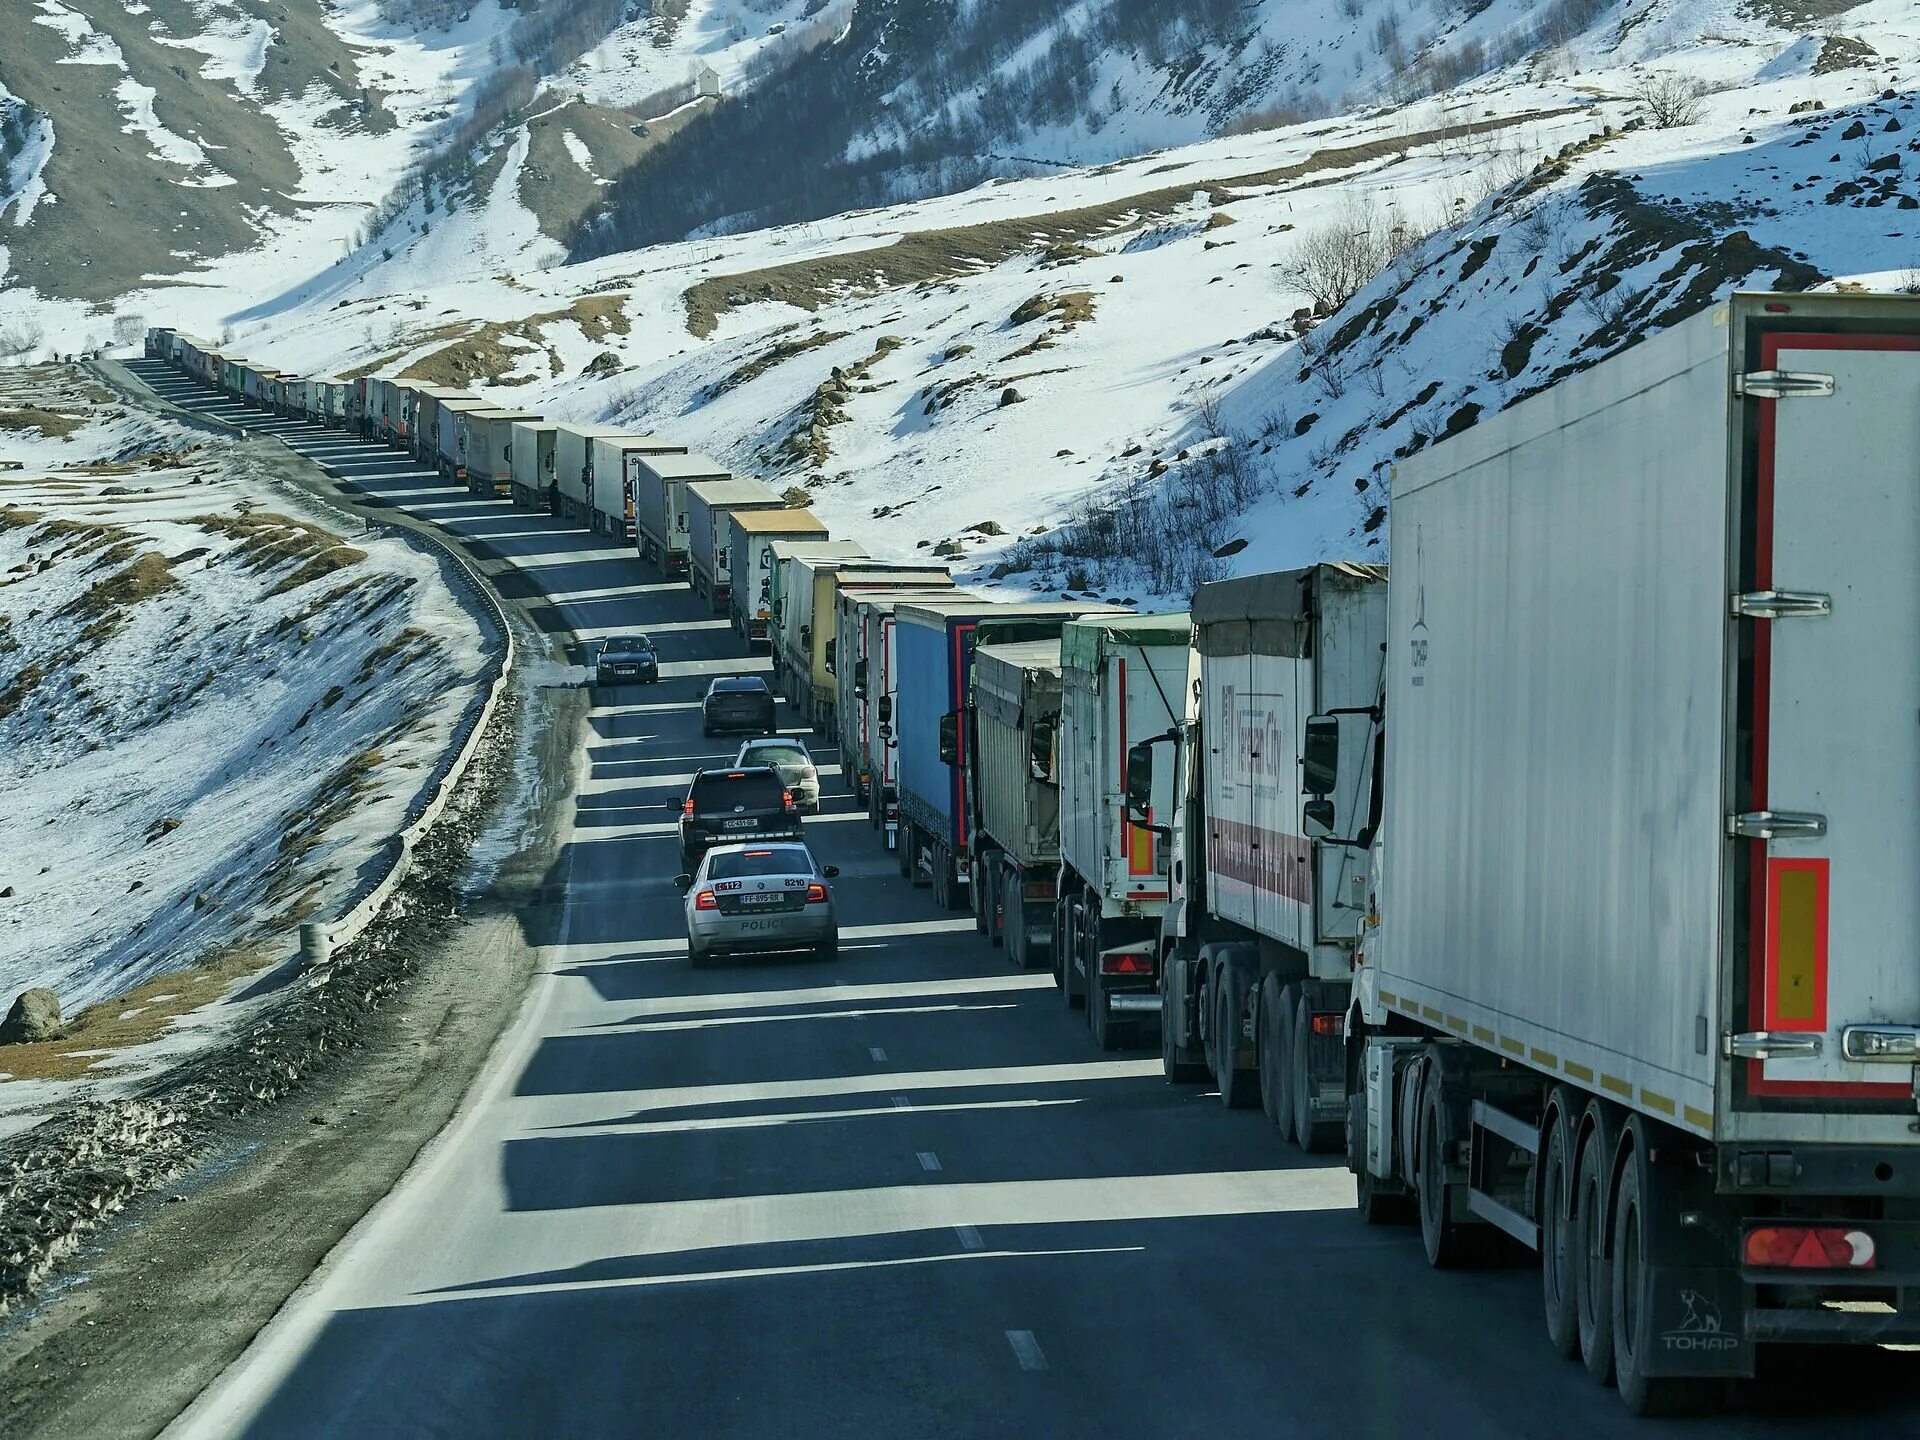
x=1027 y=1350
x=969 y=1237
x=876 y=1054
x=929 y=1160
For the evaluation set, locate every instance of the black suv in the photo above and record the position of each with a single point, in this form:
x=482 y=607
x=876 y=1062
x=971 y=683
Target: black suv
x=625 y=657
x=722 y=806
x=738 y=702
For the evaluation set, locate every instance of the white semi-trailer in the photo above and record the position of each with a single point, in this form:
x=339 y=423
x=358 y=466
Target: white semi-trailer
x=1643 y=990
x=751 y=536
x=659 y=484
x=710 y=503
x=1257 y=941
x=610 y=483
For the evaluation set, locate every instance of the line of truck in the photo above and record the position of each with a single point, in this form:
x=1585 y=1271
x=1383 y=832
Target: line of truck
x=1565 y=881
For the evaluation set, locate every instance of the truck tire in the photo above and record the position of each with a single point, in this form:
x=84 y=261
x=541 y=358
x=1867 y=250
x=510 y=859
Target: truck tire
x=1276 y=1036
x=1106 y=1034
x=1237 y=1087
x=993 y=892
x=1634 y=1329
x=1176 y=1070
x=1445 y=1240
x=1013 y=915
x=1315 y=1137
x=1587 y=1242
x=903 y=852
x=1556 y=1211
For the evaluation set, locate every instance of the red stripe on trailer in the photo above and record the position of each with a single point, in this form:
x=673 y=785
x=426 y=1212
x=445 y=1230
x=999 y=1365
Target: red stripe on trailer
x=1759 y=937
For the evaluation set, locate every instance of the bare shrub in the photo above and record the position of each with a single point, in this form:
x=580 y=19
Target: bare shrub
x=1671 y=99
x=23 y=337
x=1333 y=262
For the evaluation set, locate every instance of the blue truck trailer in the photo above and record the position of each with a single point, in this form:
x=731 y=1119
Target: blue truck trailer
x=934 y=642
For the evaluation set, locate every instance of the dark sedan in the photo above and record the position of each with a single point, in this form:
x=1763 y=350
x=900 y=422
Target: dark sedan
x=625 y=657
x=738 y=703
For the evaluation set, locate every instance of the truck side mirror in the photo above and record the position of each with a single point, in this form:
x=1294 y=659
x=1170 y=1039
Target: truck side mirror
x=833 y=647
x=859 y=679
x=1040 y=749
x=1139 y=781
x=1317 y=818
x=886 y=709
x=950 y=738
x=1320 y=756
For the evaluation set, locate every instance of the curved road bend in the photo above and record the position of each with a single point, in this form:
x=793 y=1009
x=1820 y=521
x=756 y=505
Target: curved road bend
x=900 y=1194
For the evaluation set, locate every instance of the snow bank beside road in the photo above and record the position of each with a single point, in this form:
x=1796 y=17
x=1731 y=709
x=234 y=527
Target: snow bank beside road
x=213 y=709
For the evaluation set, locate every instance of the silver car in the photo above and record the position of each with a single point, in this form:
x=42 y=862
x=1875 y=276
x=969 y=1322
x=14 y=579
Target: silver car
x=757 y=897
x=794 y=762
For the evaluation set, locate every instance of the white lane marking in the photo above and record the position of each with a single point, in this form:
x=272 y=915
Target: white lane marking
x=877 y=1055
x=969 y=1237
x=1027 y=1350
x=928 y=1160
x=901 y=1102
x=865 y=994
x=789 y=1117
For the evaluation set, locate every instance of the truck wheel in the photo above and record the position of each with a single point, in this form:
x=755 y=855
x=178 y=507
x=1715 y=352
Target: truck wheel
x=1237 y=1087
x=1099 y=1025
x=1587 y=1247
x=1177 y=1071
x=1444 y=1240
x=1276 y=1033
x=1634 y=1224
x=993 y=889
x=1316 y=1137
x=1556 y=1209
x=903 y=851
x=977 y=899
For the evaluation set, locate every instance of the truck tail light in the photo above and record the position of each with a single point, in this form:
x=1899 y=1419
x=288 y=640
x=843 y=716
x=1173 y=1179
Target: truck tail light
x=1810 y=1247
x=1038 y=890
x=1126 y=962
x=1328 y=1024
x=705 y=901
x=816 y=894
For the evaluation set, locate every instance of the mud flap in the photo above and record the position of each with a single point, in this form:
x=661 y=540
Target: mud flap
x=1696 y=1323
x=1174 y=1012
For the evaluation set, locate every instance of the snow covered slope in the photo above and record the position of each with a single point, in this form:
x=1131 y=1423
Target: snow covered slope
x=213 y=709
x=1128 y=356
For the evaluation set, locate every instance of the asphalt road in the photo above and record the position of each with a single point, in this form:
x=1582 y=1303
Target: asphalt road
x=898 y=1194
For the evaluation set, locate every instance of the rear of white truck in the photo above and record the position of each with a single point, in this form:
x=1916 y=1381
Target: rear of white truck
x=1642 y=992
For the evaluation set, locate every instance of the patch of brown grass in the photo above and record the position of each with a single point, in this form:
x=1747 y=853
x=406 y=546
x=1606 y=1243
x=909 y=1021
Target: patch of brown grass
x=51 y=423
x=113 y=597
x=767 y=359
x=142 y=1014
x=326 y=563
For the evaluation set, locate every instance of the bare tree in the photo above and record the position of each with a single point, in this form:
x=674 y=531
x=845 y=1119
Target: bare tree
x=1671 y=99
x=1332 y=262
x=23 y=337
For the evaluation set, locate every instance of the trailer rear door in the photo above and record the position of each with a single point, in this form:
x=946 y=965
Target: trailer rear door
x=1834 y=890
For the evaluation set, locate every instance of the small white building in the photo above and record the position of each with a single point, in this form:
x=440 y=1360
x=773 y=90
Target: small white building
x=706 y=83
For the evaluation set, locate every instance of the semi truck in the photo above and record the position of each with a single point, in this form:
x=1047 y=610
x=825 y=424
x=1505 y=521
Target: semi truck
x=863 y=675
x=785 y=578
x=1122 y=677
x=709 y=503
x=1641 y=991
x=449 y=456
x=427 y=400
x=572 y=451
x=534 y=464
x=750 y=540
x=660 y=505
x=1257 y=941
x=817 y=582
x=1016 y=799
x=611 y=502
x=487 y=436
x=933 y=643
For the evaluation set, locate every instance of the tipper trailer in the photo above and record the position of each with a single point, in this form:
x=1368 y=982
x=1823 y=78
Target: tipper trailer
x=611 y=500
x=534 y=464
x=1122 y=678
x=660 y=504
x=751 y=535
x=864 y=686
x=709 y=503
x=1257 y=940
x=1642 y=990
x=1016 y=714
x=933 y=644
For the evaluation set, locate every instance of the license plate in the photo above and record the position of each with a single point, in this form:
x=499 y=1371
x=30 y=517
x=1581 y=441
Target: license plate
x=739 y=824
x=773 y=899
